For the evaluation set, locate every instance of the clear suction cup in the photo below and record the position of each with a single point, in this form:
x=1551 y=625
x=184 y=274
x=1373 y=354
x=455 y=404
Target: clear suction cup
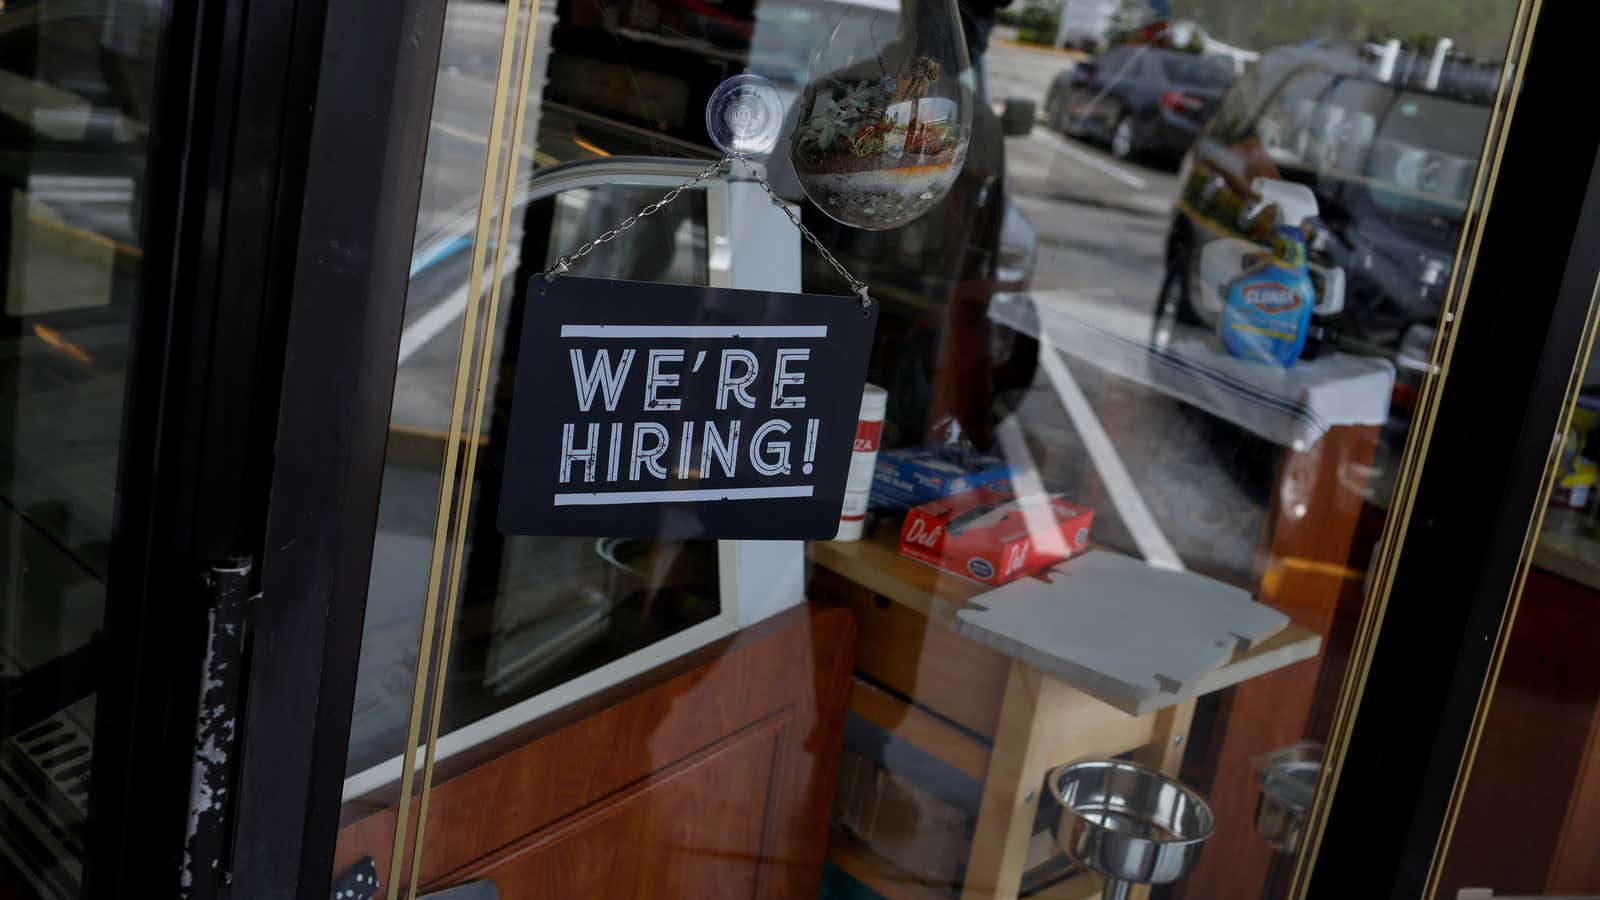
x=744 y=115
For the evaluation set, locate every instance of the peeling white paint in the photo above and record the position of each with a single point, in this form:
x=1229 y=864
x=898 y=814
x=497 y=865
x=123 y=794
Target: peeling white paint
x=215 y=727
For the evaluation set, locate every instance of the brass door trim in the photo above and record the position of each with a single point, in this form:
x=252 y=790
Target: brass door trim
x=1376 y=602
x=1508 y=616
x=480 y=389
x=475 y=344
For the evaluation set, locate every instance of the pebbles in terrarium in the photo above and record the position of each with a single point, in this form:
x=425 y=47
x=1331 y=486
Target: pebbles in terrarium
x=881 y=140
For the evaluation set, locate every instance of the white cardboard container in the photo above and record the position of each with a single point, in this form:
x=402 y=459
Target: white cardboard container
x=869 y=435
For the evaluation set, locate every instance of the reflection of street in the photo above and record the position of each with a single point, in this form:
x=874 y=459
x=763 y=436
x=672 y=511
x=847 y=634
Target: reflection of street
x=1101 y=222
x=1102 y=227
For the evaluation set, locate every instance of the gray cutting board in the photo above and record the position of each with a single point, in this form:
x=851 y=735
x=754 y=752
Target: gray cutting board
x=1111 y=625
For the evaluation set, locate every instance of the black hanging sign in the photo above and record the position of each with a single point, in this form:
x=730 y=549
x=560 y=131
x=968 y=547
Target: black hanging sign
x=660 y=410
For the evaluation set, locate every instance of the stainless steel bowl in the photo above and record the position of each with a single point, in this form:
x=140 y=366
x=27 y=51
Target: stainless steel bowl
x=1288 y=780
x=1129 y=823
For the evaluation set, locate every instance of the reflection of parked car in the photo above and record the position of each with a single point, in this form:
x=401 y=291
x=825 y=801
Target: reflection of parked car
x=1391 y=161
x=1143 y=100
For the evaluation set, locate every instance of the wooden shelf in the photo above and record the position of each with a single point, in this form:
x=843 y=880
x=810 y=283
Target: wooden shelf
x=894 y=883
x=1082 y=886
x=1291 y=645
x=873 y=563
x=859 y=862
x=913 y=642
x=914 y=724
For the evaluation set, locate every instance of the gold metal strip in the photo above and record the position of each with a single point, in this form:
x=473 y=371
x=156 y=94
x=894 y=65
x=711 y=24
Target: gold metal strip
x=1386 y=562
x=1508 y=618
x=430 y=610
x=480 y=391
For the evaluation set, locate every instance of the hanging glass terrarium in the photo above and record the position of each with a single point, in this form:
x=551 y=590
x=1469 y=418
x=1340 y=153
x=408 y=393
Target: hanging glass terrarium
x=884 y=122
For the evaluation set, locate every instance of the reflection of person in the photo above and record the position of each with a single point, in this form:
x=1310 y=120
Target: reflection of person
x=977 y=20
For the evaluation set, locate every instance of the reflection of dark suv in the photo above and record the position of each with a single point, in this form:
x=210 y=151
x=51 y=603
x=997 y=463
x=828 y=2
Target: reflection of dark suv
x=1391 y=157
x=1141 y=100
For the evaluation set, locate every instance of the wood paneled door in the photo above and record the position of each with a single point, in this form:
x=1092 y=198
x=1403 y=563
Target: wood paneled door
x=709 y=777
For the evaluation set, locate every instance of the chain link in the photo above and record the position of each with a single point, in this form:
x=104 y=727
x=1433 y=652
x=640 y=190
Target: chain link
x=564 y=263
x=856 y=285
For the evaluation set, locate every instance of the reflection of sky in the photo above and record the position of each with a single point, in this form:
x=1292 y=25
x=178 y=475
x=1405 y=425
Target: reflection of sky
x=931 y=109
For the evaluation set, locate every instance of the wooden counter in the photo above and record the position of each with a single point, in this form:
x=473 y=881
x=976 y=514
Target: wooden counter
x=707 y=776
x=874 y=563
x=988 y=715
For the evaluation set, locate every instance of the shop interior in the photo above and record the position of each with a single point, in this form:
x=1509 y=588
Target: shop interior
x=1050 y=322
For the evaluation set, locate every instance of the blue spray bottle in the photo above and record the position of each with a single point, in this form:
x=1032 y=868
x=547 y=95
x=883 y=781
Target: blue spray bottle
x=1266 y=311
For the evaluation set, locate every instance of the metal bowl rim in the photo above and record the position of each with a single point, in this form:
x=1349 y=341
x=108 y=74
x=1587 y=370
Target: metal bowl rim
x=1209 y=820
x=1291 y=765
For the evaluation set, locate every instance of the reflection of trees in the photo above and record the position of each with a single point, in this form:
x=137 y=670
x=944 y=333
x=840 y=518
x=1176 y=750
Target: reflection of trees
x=1479 y=27
x=1132 y=15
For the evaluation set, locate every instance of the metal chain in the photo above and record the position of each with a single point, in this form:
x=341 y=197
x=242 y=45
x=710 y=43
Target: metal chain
x=856 y=285
x=564 y=263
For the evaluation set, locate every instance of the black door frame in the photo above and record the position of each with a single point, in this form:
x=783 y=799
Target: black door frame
x=363 y=147
x=1524 y=322
x=196 y=453
x=282 y=177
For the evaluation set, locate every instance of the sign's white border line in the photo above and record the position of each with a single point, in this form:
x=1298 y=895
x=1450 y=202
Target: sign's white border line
x=607 y=498
x=694 y=331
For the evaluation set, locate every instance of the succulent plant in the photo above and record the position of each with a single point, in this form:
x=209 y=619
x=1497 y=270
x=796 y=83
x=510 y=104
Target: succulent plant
x=852 y=119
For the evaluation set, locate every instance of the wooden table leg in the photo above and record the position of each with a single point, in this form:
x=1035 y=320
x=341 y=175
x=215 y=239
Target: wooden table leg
x=1017 y=766
x=1164 y=753
x=1043 y=724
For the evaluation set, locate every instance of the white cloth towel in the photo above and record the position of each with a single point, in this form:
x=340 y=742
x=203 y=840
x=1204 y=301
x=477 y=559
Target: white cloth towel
x=1294 y=407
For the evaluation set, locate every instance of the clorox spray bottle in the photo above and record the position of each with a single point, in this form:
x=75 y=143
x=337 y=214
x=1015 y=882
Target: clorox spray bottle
x=1266 y=311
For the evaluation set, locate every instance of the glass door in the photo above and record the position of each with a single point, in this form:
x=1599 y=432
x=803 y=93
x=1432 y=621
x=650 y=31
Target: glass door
x=514 y=629
x=1523 y=812
x=77 y=83
x=1160 y=369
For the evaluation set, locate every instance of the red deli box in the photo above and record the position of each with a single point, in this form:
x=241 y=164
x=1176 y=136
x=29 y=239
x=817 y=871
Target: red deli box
x=992 y=536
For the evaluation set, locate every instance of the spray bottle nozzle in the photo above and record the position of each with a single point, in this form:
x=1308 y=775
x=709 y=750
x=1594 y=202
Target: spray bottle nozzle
x=1295 y=202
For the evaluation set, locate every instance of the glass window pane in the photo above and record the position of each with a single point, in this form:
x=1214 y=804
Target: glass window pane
x=539 y=623
x=1148 y=363
x=75 y=94
x=1529 y=817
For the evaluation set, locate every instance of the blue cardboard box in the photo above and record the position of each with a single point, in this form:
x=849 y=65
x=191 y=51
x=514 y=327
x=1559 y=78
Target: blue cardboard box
x=911 y=476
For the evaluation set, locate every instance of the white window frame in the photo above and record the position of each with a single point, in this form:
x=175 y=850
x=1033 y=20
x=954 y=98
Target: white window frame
x=757 y=579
